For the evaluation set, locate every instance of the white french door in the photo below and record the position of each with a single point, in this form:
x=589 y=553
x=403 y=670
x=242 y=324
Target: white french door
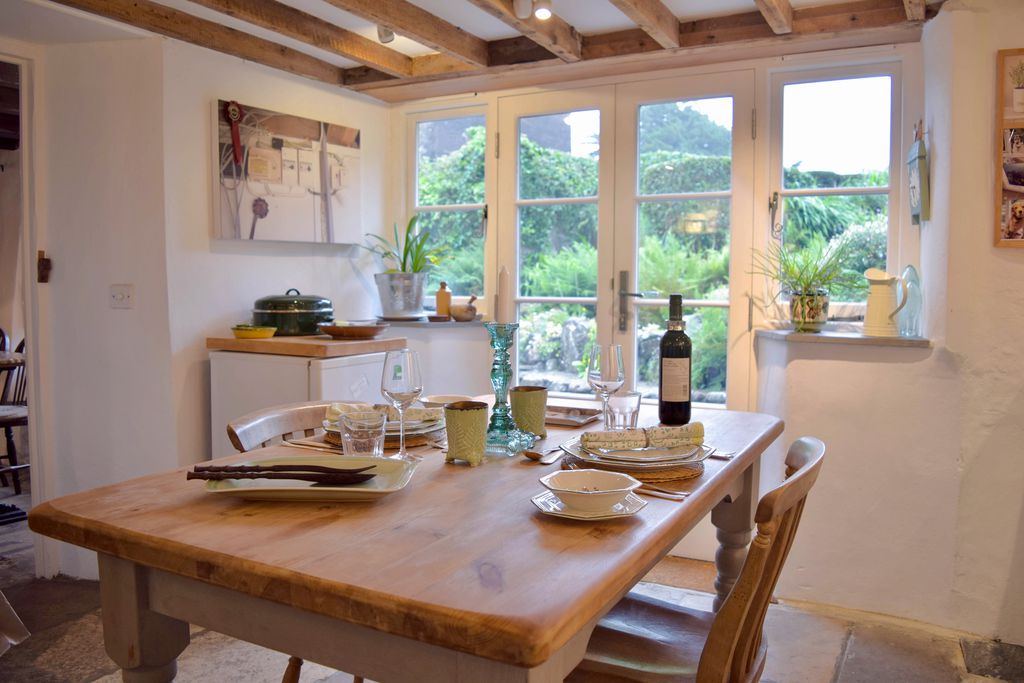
x=555 y=216
x=684 y=162
x=642 y=186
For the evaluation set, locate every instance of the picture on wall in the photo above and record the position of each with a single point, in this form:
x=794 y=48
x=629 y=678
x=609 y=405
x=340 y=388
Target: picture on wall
x=1009 y=171
x=285 y=178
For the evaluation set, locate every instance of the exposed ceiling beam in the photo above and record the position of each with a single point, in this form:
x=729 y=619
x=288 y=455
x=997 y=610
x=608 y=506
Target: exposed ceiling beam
x=654 y=18
x=706 y=41
x=554 y=35
x=915 y=9
x=314 y=31
x=420 y=25
x=778 y=14
x=174 y=24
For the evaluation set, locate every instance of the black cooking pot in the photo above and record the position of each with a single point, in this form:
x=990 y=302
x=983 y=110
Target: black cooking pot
x=292 y=314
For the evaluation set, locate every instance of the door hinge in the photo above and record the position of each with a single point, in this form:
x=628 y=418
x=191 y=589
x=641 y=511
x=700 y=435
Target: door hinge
x=753 y=124
x=497 y=145
x=750 y=312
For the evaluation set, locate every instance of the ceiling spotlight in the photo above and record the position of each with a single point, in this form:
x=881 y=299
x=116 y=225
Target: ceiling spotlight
x=522 y=8
x=384 y=34
x=542 y=9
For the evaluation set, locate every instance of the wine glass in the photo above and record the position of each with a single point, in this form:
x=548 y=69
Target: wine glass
x=401 y=384
x=605 y=374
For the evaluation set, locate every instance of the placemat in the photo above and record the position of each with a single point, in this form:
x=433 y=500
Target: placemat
x=681 y=473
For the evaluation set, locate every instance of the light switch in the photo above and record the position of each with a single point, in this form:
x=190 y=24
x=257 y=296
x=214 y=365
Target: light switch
x=122 y=296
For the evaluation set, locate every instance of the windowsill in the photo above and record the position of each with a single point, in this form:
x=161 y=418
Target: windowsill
x=842 y=335
x=426 y=323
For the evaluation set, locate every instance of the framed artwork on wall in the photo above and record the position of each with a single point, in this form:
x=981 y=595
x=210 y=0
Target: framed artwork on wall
x=1009 y=156
x=285 y=178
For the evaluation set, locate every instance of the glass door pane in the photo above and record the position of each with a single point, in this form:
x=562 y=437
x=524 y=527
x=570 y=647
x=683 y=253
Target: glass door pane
x=555 y=209
x=691 y=232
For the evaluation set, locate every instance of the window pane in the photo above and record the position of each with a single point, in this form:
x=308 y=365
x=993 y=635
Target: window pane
x=461 y=233
x=836 y=133
x=861 y=221
x=553 y=342
x=708 y=329
x=558 y=250
x=684 y=248
x=558 y=155
x=685 y=146
x=450 y=161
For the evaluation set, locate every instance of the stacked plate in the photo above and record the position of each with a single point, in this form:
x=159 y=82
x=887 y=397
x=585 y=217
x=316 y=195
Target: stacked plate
x=413 y=428
x=649 y=459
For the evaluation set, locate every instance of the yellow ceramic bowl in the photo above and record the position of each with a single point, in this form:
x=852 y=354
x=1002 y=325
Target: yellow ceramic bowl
x=251 y=332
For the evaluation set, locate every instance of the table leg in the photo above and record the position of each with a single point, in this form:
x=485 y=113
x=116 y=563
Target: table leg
x=143 y=643
x=734 y=521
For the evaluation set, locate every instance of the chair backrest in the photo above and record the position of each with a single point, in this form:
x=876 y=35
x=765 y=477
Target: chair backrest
x=15 y=388
x=264 y=427
x=733 y=651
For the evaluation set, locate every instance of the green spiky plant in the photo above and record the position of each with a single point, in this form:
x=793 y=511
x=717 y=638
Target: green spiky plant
x=808 y=273
x=410 y=253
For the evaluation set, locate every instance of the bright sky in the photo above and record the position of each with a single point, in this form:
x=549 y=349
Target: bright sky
x=840 y=126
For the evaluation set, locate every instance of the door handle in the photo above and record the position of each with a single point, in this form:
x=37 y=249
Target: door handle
x=624 y=296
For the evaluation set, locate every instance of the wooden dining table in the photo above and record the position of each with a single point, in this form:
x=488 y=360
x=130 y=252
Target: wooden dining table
x=456 y=577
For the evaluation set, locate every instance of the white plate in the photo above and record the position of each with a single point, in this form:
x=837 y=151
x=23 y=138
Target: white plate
x=392 y=475
x=391 y=428
x=549 y=504
x=573 y=447
x=681 y=454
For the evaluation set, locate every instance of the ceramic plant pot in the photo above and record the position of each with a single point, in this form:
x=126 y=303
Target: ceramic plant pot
x=809 y=312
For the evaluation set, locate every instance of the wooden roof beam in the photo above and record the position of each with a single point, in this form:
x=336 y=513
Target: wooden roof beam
x=185 y=27
x=420 y=25
x=654 y=18
x=778 y=14
x=554 y=34
x=915 y=9
x=314 y=31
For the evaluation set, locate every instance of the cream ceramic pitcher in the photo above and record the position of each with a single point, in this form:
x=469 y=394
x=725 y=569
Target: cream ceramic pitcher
x=880 y=320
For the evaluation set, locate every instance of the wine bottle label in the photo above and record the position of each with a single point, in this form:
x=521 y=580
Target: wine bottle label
x=675 y=385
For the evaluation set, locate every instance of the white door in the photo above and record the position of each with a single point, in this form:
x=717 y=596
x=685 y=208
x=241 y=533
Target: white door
x=684 y=163
x=638 y=187
x=555 y=211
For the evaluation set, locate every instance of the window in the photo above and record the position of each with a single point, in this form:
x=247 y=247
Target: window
x=834 y=171
x=449 y=197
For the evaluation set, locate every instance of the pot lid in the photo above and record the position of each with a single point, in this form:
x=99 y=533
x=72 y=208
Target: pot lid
x=294 y=300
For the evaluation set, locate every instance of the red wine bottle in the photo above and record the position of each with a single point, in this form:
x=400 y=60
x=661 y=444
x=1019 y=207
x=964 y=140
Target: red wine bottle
x=674 y=375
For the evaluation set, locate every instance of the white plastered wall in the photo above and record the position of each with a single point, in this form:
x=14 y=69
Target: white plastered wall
x=213 y=283
x=918 y=511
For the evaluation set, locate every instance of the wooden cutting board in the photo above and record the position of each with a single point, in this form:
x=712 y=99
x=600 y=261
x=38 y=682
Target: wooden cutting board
x=318 y=346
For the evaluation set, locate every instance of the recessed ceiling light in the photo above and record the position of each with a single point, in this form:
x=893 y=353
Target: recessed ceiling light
x=542 y=9
x=385 y=35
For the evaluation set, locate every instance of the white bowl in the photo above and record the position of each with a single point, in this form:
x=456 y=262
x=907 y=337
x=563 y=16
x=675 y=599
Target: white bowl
x=589 y=490
x=438 y=400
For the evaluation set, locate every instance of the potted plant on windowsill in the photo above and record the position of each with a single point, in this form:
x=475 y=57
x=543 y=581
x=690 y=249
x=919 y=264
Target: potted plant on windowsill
x=806 y=276
x=401 y=287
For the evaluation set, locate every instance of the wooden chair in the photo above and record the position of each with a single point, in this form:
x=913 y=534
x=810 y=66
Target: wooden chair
x=264 y=427
x=3 y=340
x=13 y=413
x=646 y=639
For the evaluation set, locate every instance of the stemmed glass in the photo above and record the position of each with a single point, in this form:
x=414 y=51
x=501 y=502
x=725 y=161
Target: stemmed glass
x=605 y=374
x=401 y=384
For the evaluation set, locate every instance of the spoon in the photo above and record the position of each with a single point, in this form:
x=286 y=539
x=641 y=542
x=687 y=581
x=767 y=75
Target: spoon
x=544 y=458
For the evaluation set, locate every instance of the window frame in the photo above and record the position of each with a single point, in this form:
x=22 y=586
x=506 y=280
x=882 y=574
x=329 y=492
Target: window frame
x=778 y=79
x=411 y=163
